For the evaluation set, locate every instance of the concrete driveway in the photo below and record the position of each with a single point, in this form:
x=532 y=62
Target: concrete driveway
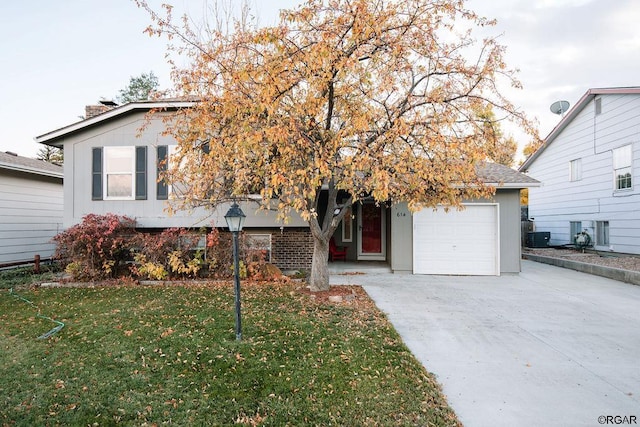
x=548 y=347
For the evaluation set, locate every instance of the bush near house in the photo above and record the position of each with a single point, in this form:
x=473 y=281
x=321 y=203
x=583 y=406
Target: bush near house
x=108 y=246
x=97 y=248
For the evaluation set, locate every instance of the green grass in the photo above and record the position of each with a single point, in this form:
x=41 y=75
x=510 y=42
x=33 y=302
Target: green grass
x=135 y=355
x=24 y=276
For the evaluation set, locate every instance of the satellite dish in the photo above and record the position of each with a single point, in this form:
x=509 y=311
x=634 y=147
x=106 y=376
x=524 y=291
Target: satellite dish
x=559 y=107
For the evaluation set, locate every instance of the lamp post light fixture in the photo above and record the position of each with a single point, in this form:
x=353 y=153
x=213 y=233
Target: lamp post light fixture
x=235 y=220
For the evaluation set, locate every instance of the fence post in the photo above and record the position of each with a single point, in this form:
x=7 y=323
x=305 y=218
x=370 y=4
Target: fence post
x=36 y=262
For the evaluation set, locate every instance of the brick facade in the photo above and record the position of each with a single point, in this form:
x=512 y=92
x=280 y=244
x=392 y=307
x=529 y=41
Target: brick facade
x=95 y=110
x=292 y=248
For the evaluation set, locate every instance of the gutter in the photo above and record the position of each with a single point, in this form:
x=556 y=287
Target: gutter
x=35 y=171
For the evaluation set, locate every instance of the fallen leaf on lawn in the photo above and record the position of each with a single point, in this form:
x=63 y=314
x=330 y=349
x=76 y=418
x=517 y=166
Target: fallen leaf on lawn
x=167 y=332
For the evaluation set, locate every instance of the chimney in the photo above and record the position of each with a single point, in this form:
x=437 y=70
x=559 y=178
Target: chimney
x=94 y=110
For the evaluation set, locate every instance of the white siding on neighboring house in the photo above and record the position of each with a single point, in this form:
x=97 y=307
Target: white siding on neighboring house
x=593 y=198
x=30 y=215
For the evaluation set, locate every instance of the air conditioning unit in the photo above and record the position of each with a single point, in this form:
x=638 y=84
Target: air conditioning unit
x=538 y=239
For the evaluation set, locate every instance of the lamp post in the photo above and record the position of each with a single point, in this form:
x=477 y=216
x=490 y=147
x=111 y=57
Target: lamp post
x=235 y=220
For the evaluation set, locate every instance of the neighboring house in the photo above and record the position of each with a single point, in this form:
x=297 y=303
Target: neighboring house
x=589 y=167
x=30 y=208
x=111 y=168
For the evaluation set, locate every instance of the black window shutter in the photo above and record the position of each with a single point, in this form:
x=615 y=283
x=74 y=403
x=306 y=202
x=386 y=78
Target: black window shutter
x=96 y=173
x=162 y=191
x=141 y=173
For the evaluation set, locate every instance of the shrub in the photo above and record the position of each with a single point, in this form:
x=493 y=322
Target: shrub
x=100 y=247
x=219 y=256
x=182 y=264
x=97 y=248
x=219 y=253
x=151 y=270
x=166 y=254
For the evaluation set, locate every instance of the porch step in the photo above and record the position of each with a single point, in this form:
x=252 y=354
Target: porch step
x=362 y=267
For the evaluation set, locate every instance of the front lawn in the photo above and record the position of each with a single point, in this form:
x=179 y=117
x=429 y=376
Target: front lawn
x=145 y=355
x=21 y=276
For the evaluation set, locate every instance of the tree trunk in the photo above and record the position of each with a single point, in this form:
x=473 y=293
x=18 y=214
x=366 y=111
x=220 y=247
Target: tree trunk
x=319 y=278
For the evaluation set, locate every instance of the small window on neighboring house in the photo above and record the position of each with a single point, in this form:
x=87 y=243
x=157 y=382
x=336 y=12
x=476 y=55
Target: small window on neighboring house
x=602 y=233
x=575 y=168
x=622 y=168
x=575 y=228
x=598 y=105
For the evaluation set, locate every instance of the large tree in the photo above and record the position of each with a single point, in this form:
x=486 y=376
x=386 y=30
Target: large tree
x=374 y=99
x=51 y=154
x=502 y=149
x=140 y=88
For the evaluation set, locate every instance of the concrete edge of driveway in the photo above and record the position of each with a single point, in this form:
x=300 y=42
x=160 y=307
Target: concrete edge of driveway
x=627 y=276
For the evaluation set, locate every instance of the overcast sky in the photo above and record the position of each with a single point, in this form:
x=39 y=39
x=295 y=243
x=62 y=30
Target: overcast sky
x=58 y=56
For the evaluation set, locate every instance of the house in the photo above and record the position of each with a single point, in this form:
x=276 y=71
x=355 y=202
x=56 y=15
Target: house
x=589 y=167
x=110 y=168
x=30 y=208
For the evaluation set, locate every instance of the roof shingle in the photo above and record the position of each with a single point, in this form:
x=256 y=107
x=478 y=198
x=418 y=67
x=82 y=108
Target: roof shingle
x=494 y=173
x=25 y=164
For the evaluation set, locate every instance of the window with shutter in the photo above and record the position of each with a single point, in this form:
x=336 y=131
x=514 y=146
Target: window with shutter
x=119 y=173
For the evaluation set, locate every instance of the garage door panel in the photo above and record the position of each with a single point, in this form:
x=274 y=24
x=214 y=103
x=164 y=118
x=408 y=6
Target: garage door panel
x=456 y=242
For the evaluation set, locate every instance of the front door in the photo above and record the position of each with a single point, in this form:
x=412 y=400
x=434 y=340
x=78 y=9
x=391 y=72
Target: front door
x=371 y=232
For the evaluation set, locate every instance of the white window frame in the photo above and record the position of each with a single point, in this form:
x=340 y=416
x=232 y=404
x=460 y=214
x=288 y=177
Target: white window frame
x=106 y=173
x=171 y=191
x=575 y=227
x=622 y=165
x=260 y=241
x=575 y=170
x=602 y=233
x=347 y=219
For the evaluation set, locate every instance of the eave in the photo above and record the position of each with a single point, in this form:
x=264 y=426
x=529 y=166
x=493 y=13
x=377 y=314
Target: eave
x=27 y=169
x=572 y=113
x=54 y=138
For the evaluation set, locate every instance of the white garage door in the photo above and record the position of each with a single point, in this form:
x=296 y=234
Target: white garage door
x=457 y=242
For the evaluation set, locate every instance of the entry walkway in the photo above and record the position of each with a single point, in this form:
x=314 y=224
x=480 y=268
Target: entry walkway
x=547 y=347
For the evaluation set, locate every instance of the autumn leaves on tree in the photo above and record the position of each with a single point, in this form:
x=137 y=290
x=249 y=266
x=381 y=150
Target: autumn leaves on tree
x=383 y=99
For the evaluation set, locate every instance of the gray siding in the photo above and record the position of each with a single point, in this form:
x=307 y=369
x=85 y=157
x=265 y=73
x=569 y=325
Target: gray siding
x=510 y=246
x=151 y=213
x=401 y=239
x=30 y=215
x=590 y=138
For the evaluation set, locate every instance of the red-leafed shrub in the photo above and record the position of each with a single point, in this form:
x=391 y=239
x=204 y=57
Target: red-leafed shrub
x=107 y=246
x=97 y=248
